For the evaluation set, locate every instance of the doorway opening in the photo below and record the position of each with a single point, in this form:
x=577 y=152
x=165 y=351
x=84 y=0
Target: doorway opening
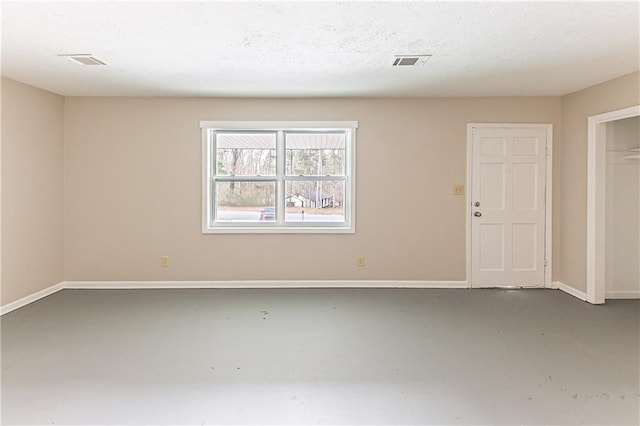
x=597 y=200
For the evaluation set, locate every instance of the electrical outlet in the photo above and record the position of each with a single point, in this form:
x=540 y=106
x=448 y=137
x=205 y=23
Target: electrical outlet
x=458 y=189
x=164 y=261
x=360 y=261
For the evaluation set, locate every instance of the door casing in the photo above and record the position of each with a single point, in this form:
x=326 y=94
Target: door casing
x=548 y=192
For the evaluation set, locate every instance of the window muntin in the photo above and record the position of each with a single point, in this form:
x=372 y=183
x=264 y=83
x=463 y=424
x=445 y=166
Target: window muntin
x=278 y=178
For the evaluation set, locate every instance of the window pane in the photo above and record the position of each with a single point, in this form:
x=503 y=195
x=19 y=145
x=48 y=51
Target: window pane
x=245 y=201
x=318 y=154
x=314 y=201
x=246 y=154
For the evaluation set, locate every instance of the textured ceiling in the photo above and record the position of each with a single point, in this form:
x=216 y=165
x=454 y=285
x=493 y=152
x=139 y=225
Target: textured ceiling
x=311 y=49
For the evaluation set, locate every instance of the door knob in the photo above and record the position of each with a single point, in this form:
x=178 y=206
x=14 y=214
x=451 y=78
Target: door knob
x=477 y=214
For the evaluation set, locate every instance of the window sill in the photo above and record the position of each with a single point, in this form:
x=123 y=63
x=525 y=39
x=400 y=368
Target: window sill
x=279 y=230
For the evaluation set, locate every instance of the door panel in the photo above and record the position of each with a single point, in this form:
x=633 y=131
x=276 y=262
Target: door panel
x=508 y=168
x=525 y=182
x=491 y=247
x=493 y=146
x=525 y=146
x=492 y=195
x=524 y=246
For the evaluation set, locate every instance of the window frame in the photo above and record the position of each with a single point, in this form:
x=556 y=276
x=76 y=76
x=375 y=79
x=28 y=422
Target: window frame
x=210 y=226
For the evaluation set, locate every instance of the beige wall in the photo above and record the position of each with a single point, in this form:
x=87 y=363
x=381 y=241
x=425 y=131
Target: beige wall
x=133 y=189
x=32 y=190
x=132 y=193
x=572 y=193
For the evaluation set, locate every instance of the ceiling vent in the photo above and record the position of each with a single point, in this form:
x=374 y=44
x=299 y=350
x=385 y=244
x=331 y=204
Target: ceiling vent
x=84 y=59
x=409 y=60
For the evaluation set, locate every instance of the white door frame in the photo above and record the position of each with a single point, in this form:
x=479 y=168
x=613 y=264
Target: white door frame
x=596 y=181
x=548 y=191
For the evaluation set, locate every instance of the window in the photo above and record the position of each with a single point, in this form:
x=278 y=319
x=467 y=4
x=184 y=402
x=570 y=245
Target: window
x=278 y=176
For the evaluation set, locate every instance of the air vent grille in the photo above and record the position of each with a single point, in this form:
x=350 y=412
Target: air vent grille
x=409 y=60
x=83 y=59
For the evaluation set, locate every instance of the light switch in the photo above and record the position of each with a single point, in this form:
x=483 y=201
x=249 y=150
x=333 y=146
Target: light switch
x=458 y=189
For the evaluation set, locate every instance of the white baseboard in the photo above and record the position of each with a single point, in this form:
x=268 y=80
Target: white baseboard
x=264 y=284
x=273 y=284
x=228 y=284
x=570 y=290
x=9 y=307
x=622 y=294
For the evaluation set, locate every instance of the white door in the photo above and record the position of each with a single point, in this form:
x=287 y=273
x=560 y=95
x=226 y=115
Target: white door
x=508 y=170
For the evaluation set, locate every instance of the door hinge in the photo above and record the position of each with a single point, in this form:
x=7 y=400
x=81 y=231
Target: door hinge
x=546 y=151
x=545 y=263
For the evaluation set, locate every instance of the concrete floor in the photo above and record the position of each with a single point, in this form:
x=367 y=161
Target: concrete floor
x=321 y=356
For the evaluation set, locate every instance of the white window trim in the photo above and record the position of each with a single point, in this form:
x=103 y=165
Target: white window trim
x=275 y=228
